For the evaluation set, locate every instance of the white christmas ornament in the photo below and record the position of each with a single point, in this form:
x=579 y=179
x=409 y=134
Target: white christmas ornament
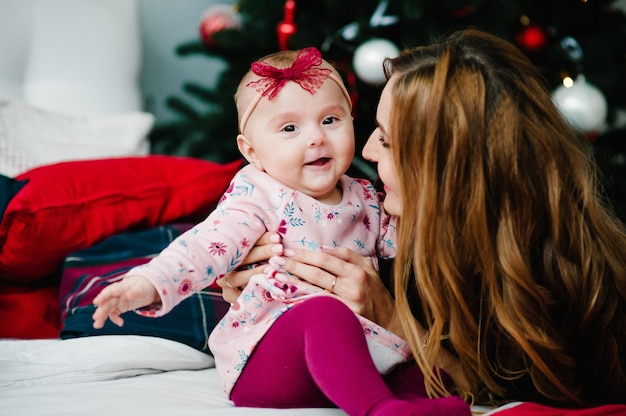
x=368 y=60
x=582 y=104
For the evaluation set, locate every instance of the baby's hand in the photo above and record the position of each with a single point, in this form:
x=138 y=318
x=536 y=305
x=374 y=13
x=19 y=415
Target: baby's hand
x=132 y=292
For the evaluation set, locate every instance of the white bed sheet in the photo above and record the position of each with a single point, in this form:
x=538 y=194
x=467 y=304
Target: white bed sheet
x=122 y=375
x=115 y=375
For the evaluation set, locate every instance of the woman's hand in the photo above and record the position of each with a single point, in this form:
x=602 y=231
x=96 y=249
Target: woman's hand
x=350 y=276
x=267 y=245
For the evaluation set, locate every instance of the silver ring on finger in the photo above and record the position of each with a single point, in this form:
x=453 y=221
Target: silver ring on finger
x=227 y=280
x=332 y=286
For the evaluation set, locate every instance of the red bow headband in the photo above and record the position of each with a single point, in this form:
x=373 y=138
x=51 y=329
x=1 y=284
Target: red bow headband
x=303 y=71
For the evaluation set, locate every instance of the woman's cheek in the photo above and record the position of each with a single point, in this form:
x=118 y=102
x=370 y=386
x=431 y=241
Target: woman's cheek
x=393 y=200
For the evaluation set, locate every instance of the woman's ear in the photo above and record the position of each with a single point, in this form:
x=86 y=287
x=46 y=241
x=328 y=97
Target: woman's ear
x=246 y=149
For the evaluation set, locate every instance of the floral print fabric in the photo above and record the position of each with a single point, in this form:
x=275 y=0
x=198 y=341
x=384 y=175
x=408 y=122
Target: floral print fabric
x=253 y=204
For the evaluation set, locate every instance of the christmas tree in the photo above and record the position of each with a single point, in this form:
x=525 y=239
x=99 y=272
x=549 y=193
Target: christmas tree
x=580 y=42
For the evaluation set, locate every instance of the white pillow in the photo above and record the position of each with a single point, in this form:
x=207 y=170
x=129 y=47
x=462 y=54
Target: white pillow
x=84 y=56
x=105 y=357
x=31 y=137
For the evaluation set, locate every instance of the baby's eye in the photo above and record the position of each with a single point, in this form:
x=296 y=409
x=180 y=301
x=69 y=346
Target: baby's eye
x=329 y=120
x=289 y=128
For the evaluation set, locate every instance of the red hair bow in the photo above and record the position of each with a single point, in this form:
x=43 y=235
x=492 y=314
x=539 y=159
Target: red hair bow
x=302 y=72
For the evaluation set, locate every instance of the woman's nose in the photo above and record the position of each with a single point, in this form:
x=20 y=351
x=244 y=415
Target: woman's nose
x=369 y=150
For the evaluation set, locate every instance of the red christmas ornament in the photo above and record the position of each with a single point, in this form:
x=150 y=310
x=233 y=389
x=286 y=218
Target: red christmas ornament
x=463 y=12
x=216 y=19
x=532 y=38
x=286 y=28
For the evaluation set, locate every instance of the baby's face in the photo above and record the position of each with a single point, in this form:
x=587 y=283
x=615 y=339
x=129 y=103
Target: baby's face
x=304 y=140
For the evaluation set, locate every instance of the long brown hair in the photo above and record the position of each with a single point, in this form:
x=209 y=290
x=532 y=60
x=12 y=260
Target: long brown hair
x=504 y=238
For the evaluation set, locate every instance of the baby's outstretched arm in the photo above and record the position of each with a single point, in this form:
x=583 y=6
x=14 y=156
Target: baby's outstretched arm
x=133 y=292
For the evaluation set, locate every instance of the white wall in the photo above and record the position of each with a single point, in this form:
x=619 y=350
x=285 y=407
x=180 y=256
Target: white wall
x=165 y=24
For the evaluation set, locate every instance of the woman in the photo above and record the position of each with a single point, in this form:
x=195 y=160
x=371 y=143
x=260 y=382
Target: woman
x=507 y=253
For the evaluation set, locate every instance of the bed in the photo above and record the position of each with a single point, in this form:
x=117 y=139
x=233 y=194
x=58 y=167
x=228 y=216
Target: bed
x=115 y=374
x=71 y=227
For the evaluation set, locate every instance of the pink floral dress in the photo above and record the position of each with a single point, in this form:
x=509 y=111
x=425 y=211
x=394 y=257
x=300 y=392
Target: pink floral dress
x=253 y=204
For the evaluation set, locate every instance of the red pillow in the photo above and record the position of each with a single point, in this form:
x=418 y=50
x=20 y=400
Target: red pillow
x=70 y=206
x=30 y=311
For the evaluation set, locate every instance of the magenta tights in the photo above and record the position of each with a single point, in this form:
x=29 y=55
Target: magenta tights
x=315 y=355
